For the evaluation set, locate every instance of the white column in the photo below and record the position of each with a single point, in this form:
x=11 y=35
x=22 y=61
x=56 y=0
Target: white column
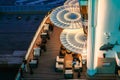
x=108 y=23
x=92 y=16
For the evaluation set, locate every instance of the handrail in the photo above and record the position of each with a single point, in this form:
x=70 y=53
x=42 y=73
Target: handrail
x=36 y=35
x=31 y=45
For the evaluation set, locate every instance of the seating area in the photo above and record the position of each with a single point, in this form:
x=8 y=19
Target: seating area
x=40 y=46
x=44 y=36
x=53 y=58
x=59 y=63
x=68 y=63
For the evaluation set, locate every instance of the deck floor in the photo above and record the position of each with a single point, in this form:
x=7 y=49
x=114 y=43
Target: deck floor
x=46 y=65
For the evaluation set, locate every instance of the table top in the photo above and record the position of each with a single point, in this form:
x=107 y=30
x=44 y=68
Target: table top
x=68 y=64
x=68 y=61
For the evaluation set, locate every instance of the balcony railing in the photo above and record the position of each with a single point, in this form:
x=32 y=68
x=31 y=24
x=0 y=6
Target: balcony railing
x=29 y=54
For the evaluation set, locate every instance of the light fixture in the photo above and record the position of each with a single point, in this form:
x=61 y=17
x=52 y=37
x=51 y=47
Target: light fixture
x=107 y=35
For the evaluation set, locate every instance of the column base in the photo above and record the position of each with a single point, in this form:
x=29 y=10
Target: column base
x=91 y=72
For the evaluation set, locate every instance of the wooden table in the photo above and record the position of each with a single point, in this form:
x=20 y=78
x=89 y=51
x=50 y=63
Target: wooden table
x=68 y=61
x=68 y=64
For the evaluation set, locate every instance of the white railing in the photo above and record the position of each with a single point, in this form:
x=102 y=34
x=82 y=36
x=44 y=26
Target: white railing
x=35 y=37
x=18 y=76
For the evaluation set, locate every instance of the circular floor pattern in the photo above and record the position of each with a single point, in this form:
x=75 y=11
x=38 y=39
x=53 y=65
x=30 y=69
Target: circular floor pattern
x=66 y=17
x=71 y=2
x=73 y=40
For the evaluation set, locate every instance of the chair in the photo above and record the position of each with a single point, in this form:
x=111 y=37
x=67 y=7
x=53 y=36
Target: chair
x=60 y=59
x=46 y=27
x=59 y=66
x=78 y=66
x=68 y=74
x=62 y=53
x=43 y=35
x=33 y=63
x=37 y=52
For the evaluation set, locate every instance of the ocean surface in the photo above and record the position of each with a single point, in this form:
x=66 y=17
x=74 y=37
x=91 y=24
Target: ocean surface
x=31 y=2
x=16 y=34
x=18 y=30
